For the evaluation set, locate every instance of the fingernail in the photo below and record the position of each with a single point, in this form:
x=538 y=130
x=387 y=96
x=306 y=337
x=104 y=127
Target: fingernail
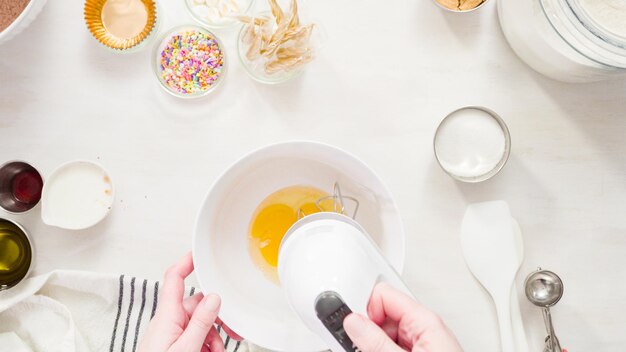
x=212 y=302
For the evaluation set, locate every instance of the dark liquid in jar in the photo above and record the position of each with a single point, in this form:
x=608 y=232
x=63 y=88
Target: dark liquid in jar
x=15 y=254
x=26 y=187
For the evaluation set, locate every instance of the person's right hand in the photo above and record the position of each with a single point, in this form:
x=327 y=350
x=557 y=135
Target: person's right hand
x=398 y=323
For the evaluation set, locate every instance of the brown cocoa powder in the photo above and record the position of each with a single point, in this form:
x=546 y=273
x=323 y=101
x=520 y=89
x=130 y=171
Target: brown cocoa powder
x=10 y=10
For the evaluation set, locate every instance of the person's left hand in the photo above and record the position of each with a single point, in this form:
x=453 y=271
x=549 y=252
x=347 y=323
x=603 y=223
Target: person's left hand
x=184 y=325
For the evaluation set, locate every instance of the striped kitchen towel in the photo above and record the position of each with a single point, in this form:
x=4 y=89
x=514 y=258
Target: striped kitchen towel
x=73 y=311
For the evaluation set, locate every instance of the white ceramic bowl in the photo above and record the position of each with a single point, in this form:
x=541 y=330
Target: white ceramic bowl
x=253 y=306
x=77 y=195
x=23 y=20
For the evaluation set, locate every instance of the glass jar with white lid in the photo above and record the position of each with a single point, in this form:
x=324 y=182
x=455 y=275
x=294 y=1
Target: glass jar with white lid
x=568 y=40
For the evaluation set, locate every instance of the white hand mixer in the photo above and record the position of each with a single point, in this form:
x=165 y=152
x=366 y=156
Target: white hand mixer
x=328 y=266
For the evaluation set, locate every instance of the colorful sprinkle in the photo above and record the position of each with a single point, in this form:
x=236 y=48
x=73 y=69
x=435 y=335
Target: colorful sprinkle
x=191 y=62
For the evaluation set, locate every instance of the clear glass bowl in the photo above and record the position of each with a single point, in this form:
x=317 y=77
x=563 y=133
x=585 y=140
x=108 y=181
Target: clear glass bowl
x=156 y=66
x=256 y=68
x=481 y=176
x=246 y=5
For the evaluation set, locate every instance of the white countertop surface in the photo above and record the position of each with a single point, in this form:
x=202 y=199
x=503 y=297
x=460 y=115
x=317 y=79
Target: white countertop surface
x=389 y=72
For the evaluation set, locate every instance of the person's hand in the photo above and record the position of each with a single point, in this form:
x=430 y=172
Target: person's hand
x=184 y=325
x=398 y=323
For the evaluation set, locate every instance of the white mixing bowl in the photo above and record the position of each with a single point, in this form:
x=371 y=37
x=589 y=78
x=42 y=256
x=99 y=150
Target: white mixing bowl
x=252 y=305
x=23 y=20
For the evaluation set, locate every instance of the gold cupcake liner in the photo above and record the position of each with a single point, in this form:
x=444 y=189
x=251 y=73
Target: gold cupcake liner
x=93 y=19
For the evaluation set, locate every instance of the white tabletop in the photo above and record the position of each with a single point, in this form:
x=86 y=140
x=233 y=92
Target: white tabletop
x=389 y=72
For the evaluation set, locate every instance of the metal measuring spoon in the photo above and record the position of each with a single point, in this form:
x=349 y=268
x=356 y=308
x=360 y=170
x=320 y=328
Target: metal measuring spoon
x=544 y=289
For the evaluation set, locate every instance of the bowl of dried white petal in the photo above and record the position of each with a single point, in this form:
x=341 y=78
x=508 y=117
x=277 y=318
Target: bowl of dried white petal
x=274 y=47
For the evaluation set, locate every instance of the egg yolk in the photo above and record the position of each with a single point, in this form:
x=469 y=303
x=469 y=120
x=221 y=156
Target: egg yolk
x=274 y=216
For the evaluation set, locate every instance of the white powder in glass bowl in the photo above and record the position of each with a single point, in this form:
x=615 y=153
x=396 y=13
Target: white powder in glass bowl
x=471 y=144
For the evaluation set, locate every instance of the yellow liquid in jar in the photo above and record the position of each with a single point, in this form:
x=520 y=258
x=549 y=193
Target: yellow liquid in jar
x=274 y=216
x=15 y=254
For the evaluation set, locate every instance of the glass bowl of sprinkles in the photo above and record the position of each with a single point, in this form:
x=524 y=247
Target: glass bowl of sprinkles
x=218 y=14
x=189 y=62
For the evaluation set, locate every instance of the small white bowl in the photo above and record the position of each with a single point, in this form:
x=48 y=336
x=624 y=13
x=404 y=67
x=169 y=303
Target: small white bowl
x=23 y=20
x=77 y=195
x=252 y=305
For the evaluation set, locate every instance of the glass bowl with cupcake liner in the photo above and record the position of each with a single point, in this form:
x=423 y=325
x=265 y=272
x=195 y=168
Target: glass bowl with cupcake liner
x=97 y=28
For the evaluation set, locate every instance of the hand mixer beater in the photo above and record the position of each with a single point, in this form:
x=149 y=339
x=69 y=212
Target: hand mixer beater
x=338 y=203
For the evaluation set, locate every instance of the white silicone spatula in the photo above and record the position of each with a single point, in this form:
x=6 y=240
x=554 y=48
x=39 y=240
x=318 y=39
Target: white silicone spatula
x=489 y=246
x=521 y=343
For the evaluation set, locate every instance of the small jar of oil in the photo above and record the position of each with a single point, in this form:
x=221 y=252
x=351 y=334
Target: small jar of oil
x=16 y=254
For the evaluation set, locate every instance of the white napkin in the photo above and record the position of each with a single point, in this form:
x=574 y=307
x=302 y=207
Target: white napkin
x=73 y=311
